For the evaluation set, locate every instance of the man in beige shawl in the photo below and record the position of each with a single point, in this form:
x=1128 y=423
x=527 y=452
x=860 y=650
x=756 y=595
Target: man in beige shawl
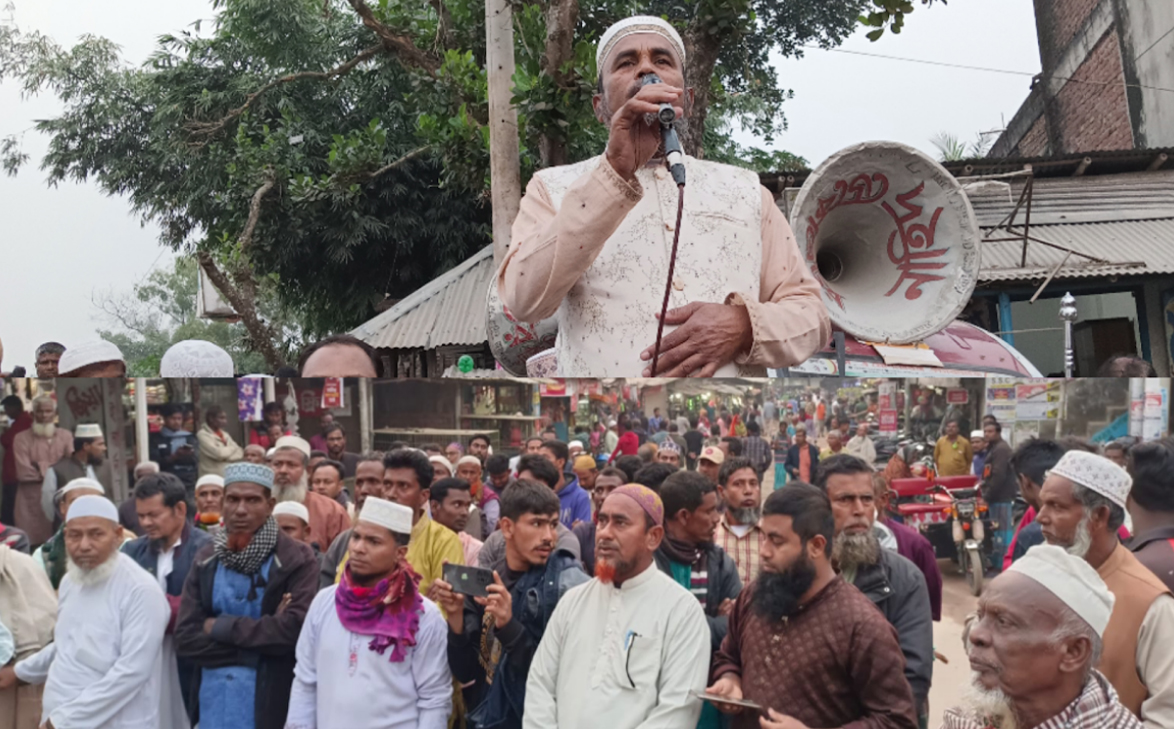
x=28 y=610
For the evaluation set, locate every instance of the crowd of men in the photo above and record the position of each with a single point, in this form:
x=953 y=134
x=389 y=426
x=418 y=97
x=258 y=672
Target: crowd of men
x=300 y=587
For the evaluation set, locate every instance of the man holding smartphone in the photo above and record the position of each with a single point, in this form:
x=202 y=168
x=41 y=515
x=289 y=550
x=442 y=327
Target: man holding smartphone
x=492 y=639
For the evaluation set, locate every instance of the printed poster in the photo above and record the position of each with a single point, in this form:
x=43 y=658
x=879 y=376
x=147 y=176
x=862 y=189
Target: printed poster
x=1040 y=401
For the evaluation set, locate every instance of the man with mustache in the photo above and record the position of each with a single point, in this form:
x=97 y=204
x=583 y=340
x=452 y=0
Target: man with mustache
x=626 y=649
x=104 y=666
x=531 y=467
x=368 y=482
x=608 y=480
x=894 y=584
x=1034 y=648
x=805 y=645
x=35 y=451
x=491 y=640
x=242 y=608
x=592 y=240
x=738 y=532
x=86 y=461
x=291 y=458
x=1083 y=504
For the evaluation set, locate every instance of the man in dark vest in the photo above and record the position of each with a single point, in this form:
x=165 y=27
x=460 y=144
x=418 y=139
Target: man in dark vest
x=87 y=461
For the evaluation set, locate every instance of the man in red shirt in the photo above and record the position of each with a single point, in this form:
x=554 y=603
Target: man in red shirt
x=629 y=443
x=18 y=420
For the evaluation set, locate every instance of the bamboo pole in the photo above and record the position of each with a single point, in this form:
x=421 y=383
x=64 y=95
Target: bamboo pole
x=505 y=173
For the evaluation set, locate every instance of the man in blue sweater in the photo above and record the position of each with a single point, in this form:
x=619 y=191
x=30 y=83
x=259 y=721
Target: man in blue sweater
x=575 y=503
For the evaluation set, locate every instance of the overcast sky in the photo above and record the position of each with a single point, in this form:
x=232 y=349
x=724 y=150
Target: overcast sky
x=63 y=246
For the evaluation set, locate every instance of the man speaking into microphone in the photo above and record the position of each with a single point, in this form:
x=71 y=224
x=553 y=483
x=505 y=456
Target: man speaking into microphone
x=593 y=241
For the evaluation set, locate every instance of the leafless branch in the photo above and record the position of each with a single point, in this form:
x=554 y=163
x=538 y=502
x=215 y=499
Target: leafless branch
x=399 y=44
x=400 y=162
x=255 y=212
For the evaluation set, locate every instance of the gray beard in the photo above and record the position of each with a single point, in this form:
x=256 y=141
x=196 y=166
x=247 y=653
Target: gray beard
x=988 y=706
x=296 y=492
x=90 y=577
x=745 y=517
x=44 y=430
x=851 y=551
x=1082 y=541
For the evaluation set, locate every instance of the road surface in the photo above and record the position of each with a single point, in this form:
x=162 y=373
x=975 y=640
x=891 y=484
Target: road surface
x=950 y=680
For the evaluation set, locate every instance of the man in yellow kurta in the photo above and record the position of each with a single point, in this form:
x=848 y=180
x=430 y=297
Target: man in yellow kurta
x=953 y=454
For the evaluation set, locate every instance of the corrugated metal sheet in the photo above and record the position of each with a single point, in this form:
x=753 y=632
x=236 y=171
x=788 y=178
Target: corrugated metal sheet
x=1150 y=242
x=448 y=310
x=1060 y=200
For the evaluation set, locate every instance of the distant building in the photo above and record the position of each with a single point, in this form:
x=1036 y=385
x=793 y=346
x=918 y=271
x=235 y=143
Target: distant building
x=1108 y=67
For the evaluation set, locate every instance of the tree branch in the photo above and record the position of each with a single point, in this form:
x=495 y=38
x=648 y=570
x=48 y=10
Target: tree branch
x=245 y=305
x=207 y=129
x=255 y=212
x=397 y=43
x=400 y=162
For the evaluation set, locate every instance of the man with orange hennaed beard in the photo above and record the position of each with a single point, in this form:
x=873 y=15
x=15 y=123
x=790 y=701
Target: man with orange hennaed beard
x=629 y=646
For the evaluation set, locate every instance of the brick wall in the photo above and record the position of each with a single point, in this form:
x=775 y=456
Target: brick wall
x=1035 y=142
x=1095 y=116
x=1065 y=18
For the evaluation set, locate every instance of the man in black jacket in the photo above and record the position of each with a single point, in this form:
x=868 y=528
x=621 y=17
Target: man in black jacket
x=167 y=551
x=794 y=464
x=894 y=584
x=492 y=640
x=242 y=609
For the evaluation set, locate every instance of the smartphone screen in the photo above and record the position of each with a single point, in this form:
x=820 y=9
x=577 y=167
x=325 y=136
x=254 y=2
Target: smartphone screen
x=468 y=580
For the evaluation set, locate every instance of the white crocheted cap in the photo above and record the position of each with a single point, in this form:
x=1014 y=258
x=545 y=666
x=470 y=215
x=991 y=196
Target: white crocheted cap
x=87 y=430
x=1095 y=473
x=196 y=358
x=82 y=483
x=91 y=505
x=292 y=508
x=1071 y=579
x=633 y=25
x=387 y=514
x=90 y=353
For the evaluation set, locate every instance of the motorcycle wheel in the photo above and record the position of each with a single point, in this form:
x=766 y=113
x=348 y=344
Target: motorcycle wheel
x=974 y=570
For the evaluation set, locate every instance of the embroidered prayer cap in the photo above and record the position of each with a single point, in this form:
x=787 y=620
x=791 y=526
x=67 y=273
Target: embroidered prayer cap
x=210 y=480
x=633 y=25
x=387 y=514
x=1070 y=578
x=585 y=463
x=245 y=472
x=92 y=506
x=648 y=500
x=442 y=461
x=293 y=441
x=196 y=358
x=1096 y=473
x=712 y=454
x=88 y=430
x=469 y=461
x=89 y=353
x=292 y=508
x=671 y=446
x=82 y=483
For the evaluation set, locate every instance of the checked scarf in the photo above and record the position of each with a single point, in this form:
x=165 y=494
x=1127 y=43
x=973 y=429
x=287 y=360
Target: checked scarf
x=389 y=612
x=249 y=560
x=1097 y=707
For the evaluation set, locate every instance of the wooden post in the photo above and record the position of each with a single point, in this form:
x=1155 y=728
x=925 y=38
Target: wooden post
x=505 y=172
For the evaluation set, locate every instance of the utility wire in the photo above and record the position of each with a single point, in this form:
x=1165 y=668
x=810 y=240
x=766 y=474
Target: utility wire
x=1159 y=40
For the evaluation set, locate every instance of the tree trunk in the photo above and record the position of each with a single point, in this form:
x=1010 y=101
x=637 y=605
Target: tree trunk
x=241 y=292
x=505 y=173
x=561 y=18
x=702 y=49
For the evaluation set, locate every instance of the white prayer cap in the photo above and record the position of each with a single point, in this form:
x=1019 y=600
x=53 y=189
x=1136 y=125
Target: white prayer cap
x=633 y=25
x=210 y=480
x=292 y=508
x=441 y=461
x=292 y=441
x=83 y=483
x=469 y=461
x=90 y=353
x=88 y=430
x=574 y=446
x=977 y=434
x=1095 y=473
x=387 y=514
x=147 y=466
x=196 y=358
x=1071 y=579
x=92 y=506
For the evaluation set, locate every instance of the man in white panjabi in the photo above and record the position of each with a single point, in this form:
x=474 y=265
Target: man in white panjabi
x=103 y=668
x=592 y=242
x=373 y=652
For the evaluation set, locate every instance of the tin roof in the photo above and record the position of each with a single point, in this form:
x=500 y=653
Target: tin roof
x=1143 y=246
x=450 y=309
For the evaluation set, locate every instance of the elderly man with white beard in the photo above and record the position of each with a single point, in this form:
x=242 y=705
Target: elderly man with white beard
x=36 y=450
x=1082 y=506
x=103 y=668
x=1033 y=649
x=291 y=482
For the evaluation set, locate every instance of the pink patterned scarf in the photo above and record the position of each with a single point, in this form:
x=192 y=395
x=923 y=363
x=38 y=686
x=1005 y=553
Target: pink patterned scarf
x=389 y=612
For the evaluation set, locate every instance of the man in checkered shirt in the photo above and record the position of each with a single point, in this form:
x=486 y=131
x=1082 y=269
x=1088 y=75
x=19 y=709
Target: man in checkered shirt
x=756 y=448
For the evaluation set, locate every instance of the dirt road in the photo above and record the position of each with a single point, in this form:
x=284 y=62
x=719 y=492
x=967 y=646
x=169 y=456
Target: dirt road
x=950 y=680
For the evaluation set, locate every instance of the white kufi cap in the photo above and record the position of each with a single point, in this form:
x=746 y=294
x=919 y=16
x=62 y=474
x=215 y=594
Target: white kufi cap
x=1071 y=579
x=292 y=441
x=387 y=514
x=83 y=483
x=196 y=358
x=633 y=25
x=92 y=506
x=210 y=479
x=90 y=353
x=292 y=508
x=441 y=461
x=1095 y=473
x=469 y=461
x=88 y=430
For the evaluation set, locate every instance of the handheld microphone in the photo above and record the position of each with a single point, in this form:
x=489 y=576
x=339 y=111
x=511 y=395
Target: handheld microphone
x=667 y=116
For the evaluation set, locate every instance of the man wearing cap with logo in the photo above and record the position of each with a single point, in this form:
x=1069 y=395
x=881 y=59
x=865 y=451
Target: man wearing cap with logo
x=291 y=458
x=86 y=461
x=104 y=666
x=1034 y=649
x=627 y=648
x=1082 y=505
x=709 y=463
x=92 y=359
x=242 y=609
x=36 y=450
x=592 y=241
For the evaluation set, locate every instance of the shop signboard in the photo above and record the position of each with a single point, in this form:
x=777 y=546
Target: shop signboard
x=1037 y=401
x=888 y=422
x=887 y=396
x=957 y=396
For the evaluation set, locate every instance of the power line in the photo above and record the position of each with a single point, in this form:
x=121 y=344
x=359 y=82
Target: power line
x=983 y=68
x=1159 y=40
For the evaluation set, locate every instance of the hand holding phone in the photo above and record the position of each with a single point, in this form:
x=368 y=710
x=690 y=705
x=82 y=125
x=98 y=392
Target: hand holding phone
x=472 y=581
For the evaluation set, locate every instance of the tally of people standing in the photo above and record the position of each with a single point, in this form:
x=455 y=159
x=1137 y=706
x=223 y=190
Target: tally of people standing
x=592 y=242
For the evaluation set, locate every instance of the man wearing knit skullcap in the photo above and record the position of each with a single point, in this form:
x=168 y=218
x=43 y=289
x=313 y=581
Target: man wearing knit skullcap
x=631 y=615
x=592 y=241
